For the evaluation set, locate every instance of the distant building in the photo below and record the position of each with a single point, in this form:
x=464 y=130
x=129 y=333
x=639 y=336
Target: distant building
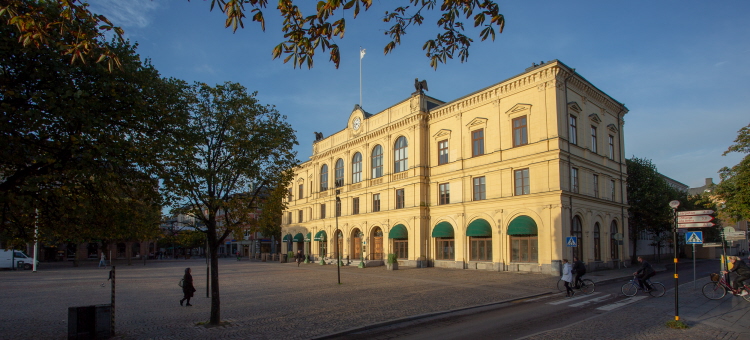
x=499 y=179
x=706 y=188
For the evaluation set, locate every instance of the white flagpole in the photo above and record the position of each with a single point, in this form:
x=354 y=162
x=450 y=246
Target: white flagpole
x=361 y=55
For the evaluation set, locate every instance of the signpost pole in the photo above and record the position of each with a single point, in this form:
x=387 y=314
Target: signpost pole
x=693 y=265
x=674 y=205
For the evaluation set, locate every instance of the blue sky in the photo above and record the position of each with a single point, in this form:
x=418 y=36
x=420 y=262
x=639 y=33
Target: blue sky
x=679 y=66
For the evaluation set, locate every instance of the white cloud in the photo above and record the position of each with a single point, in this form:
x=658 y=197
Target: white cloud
x=131 y=13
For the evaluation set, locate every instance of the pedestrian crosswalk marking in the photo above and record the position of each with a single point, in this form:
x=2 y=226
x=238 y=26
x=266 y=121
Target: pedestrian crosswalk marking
x=621 y=303
x=571 y=299
x=601 y=298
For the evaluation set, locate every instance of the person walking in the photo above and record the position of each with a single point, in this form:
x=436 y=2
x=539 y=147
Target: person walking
x=568 y=278
x=103 y=261
x=238 y=255
x=299 y=257
x=187 y=287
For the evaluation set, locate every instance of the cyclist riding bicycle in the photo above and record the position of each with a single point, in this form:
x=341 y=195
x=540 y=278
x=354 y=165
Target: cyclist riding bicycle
x=579 y=269
x=644 y=273
x=743 y=273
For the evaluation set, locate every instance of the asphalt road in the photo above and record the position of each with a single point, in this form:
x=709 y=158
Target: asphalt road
x=526 y=317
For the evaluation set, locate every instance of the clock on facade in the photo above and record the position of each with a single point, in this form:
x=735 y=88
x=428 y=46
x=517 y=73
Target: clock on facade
x=355 y=124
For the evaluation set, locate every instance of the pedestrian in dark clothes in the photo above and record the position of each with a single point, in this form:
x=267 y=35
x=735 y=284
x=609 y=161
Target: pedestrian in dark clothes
x=187 y=287
x=300 y=257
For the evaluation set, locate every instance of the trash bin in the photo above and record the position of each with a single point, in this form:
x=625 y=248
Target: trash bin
x=90 y=322
x=283 y=258
x=19 y=265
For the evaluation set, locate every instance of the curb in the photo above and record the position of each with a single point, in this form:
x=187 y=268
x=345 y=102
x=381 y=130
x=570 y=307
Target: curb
x=421 y=316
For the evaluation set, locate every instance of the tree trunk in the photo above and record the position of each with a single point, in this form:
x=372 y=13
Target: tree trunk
x=213 y=249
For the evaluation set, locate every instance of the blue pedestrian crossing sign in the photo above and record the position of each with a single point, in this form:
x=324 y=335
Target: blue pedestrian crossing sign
x=694 y=237
x=571 y=241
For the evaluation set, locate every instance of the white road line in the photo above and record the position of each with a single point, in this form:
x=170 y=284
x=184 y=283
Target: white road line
x=621 y=303
x=577 y=297
x=601 y=298
x=538 y=298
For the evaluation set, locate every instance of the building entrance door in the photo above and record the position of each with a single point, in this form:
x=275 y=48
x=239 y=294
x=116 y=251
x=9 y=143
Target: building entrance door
x=356 y=247
x=377 y=244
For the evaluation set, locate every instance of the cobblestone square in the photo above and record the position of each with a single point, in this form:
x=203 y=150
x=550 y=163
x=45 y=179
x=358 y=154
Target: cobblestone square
x=261 y=300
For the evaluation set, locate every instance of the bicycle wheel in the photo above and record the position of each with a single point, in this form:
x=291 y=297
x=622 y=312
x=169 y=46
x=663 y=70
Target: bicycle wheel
x=629 y=289
x=561 y=285
x=713 y=291
x=657 y=289
x=587 y=286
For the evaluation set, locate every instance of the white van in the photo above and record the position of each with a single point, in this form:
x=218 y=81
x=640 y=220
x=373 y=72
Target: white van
x=10 y=260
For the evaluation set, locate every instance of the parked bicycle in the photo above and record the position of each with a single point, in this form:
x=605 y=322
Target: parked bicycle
x=718 y=287
x=587 y=286
x=631 y=288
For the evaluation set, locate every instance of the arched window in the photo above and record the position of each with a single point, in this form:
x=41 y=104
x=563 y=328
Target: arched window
x=400 y=157
x=357 y=168
x=613 y=244
x=324 y=177
x=339 y=173
x=597 y=243
x=377 y=161
x=577 y=231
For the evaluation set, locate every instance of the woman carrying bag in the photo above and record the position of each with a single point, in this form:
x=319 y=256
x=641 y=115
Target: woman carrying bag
x=187 y=287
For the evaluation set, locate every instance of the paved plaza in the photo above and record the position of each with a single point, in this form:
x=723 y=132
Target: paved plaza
x=261 y=300
x=269 y=300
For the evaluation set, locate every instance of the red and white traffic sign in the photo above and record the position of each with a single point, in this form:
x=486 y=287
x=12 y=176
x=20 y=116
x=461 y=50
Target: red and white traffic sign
x=695 y=225
x=695 y=212
x=694 y=219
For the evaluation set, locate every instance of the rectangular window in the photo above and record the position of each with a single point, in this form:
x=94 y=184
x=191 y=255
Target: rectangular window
x=445 y=194
x=289 y=218
x=399 y=198
x=479 y=189
x=445 y=249
x=442 y=152
x=477 y=143
x=355 y=205
x=481 y=249
x=611 y=147
x=524 y=249
x=375 y=202
x=301 y=191
x=522 y=182
x=574 y=180
x=401 y=248
x=289 y=195
x=520 y=134
x=338 y=208
x=322 y=211
x=612 y=190
x=593 y=139
x=596 y=186
x=300 y=216
x=573 y=133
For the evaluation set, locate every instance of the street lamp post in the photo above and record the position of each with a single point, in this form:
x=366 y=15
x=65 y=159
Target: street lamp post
x=361 y=251
x=674 y=205
x=336 y=236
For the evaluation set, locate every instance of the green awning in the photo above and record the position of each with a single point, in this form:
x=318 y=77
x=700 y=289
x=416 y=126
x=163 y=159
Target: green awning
x=479 y=228
x=308 y=237
x=299 y=238
x=320 y=236
x=398 y=232
x=288 y=238
x=443 y=229
x=522 y=225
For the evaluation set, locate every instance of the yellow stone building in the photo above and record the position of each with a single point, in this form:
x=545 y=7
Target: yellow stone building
x=498 y=179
